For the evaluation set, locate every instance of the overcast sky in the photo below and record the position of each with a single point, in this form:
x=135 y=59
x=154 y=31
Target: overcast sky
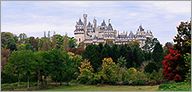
x=35 y=17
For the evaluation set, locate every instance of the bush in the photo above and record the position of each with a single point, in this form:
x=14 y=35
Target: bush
x=150 y=67
x=109 y=71
x=135 y=77
x=187 y=59
x=132 y=70
x=155 y=77
x=86 y=72
x=97 y=78
x=121 y=61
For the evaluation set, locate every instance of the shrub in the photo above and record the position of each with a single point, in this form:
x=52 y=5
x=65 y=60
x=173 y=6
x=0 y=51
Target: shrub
x=109 y=71
x=187 y=59
x=86 y=72
x=132 y=70
x=121 y=61
x=150 y=67
x=97 y=78
x=155 y=77
x=135 y=77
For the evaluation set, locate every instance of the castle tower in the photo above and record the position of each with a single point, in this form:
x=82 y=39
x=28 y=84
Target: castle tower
x=85 y=24
x=85 y=19
x=94 y=23
x=79 y=31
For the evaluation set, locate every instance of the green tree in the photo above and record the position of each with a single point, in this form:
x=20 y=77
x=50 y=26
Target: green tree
x=94 y=56
x=44 y=44
x=22 y=38
x=150 y=44
x=121 y=61
x=65 y=42
x=183 y=38
x=41 y=67
x=33 y=43
x=157 y=54
x=56 y=59
x=109 y=71
x=21 y=63
x=58 y=39
x=150 y=67
x=8 y=41
x=138 y=56
x=72 y=42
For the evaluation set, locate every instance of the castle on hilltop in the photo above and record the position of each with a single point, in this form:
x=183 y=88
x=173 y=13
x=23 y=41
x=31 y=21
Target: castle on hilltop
x=91 y=33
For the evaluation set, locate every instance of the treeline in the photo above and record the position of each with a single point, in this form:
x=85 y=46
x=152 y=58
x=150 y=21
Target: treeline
x=29 y=66
x=134 y=55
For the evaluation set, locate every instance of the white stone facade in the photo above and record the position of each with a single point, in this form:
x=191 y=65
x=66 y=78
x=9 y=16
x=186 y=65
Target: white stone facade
x=92 y=34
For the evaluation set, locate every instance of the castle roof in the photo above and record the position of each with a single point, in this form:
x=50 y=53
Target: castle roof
x=131 y=35
x=79 y=22
x=89 y=25
x=103 y=23
x=140 y=28
x=109 y=27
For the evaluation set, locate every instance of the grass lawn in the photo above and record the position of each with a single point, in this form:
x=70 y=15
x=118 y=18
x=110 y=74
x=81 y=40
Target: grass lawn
x=104 y=88
x=180 y=86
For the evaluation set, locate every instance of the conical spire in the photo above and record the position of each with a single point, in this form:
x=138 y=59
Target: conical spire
x=103 y=23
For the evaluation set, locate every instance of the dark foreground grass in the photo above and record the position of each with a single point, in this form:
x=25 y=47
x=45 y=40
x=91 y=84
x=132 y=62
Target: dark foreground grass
x=104 y=88
x=180 y=86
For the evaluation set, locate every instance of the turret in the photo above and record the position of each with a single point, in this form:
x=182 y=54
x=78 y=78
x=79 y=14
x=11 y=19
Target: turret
x=85 y=19
x=94 y=23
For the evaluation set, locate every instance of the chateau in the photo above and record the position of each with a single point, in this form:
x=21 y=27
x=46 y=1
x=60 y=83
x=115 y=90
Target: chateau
x=91 y=33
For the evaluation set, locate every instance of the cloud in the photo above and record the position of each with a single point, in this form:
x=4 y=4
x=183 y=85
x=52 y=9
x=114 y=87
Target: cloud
x=34 y=17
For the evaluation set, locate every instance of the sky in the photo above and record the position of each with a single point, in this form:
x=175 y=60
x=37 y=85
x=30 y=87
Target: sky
x=35 y=17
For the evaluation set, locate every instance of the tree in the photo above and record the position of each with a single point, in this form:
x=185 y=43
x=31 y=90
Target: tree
x=109 y=71
x=94 y=56
x=71 y=66
x=56 y=58
x=183 y=38
x=22 y=38
x=8 y=41
x=4 y=56
x=172 y=66
x=33 y=43
x=187 y=60
x=86 y=72
x=65 y=42
x=183 y=41
x=121 y=61
x=167 y=46
x=25 y=47
x=150 y=44
x=44 y=44
x=58 y=39
x=157 y=54
x=150 y=67
x=41 y=67
x=138 y=56
x=21 y=63
x=72 y=42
